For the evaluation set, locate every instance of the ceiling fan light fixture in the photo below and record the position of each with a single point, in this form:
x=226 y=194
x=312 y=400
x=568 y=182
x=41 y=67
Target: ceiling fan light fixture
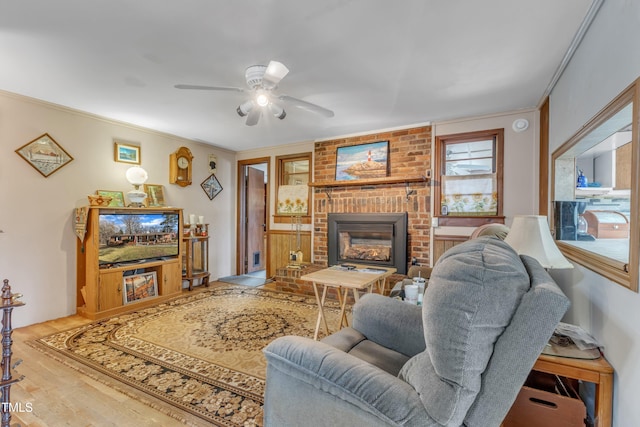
x=244 y=108
x=277 y=111
x=263 y=81
x=254 y=74
x=262 y=100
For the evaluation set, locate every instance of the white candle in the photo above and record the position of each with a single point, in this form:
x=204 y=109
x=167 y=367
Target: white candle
x=201 y=219
x=192 y=219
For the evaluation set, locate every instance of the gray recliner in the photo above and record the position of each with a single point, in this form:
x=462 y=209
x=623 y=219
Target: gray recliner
x=459 y=360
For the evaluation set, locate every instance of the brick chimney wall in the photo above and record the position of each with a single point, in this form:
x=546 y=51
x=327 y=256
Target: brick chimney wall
x=409 y=155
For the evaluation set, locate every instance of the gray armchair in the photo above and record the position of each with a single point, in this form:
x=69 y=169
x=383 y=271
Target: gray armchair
x=460 y=359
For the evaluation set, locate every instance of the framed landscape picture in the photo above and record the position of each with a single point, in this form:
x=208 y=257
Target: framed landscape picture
x=139 y=286
x=362 y=161
x=155 y=195
x=44 y=155
x=126 y=153
x=117 y=197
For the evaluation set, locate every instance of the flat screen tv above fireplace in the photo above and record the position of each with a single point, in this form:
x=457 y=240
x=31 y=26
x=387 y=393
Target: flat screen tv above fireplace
x=378 y=239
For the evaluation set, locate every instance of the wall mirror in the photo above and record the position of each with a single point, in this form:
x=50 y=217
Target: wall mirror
x=595 y=198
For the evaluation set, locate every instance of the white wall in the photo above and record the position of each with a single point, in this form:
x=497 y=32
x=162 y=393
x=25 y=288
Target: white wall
x=605 y=63
x=38 y=245
x=520 y=161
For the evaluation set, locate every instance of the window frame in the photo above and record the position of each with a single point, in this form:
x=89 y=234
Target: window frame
x=280 y=176
x=441 y=142
x=624 y=274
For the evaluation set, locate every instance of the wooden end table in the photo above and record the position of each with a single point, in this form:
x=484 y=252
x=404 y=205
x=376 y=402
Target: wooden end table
x=597 y=371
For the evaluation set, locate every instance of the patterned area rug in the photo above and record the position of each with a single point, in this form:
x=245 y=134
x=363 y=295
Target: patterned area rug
x=200 y=353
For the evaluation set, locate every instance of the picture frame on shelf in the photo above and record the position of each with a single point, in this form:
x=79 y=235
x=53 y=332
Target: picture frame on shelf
x=45 y=155
x=155 y=195
x=126 y=153
x=117 y=197
x=139 y=286
x=211 y=186
x=363 y=161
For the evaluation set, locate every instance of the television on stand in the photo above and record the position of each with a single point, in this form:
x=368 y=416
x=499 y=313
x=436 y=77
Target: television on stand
x=130 y=237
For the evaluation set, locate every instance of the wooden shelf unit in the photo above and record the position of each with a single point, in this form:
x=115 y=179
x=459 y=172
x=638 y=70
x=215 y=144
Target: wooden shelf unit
x=99 y=291
x=195 y=259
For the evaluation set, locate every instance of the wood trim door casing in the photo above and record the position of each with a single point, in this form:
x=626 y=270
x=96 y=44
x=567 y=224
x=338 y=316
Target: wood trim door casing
x=241 y=211
x=543 y=173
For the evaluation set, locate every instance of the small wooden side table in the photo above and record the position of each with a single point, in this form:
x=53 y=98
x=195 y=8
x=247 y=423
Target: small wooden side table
x=196 y=259
x=597 y=371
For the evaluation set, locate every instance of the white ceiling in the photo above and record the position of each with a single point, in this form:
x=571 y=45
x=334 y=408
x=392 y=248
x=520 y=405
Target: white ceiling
x=376 y=64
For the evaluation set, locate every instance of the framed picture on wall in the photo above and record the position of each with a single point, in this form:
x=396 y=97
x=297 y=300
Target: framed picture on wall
x=44 y=154
x=211 y=186
x=362 y=161
x=126 y=153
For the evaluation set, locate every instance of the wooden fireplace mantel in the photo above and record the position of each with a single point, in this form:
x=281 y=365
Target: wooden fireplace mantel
x=371 y=181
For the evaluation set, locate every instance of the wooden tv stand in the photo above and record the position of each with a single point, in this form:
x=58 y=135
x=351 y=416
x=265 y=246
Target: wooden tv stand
x=99 y=291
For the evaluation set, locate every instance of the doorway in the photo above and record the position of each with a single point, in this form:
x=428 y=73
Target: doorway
x=253 y=208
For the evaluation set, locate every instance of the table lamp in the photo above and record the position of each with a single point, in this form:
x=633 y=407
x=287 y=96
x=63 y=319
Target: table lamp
x=136 y=177
x=530 y=235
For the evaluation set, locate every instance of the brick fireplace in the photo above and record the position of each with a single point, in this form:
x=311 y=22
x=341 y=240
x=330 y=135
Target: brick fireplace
x=376 y=239
x=409 y=155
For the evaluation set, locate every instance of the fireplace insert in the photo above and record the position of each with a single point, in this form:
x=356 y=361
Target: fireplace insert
x=378 y=239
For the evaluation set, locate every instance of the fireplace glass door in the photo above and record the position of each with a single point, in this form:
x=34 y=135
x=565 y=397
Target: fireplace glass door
x=357 y=243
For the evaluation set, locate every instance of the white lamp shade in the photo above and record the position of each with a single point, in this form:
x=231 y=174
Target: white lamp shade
x=136 y=175
x=530 y=235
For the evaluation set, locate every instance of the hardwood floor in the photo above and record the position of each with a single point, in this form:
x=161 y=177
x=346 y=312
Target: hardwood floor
x=53 y=394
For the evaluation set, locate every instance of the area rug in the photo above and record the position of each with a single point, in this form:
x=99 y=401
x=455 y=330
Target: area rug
x=200 y=353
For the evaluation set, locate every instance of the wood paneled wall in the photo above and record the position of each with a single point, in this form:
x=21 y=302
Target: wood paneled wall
x=442 y=243
x=281 y=242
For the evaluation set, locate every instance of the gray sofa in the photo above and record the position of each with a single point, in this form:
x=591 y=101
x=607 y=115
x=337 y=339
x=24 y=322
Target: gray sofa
x=460 y=359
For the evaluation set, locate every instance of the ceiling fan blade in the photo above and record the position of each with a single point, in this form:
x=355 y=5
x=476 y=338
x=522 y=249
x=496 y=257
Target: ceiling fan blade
x=273 y=74
x=307 y=105
x=198 y=87
x=253 y=116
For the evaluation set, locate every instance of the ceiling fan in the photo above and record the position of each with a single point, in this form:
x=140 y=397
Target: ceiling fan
x=263 y=81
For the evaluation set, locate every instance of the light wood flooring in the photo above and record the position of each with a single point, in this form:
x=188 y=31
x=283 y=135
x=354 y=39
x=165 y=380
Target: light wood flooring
x=61 y=396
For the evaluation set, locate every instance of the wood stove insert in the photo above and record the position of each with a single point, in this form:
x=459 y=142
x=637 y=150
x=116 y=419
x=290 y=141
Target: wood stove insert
x=378 y=239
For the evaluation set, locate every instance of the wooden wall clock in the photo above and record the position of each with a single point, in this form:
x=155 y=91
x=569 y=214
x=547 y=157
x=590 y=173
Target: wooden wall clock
x=180 y=167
